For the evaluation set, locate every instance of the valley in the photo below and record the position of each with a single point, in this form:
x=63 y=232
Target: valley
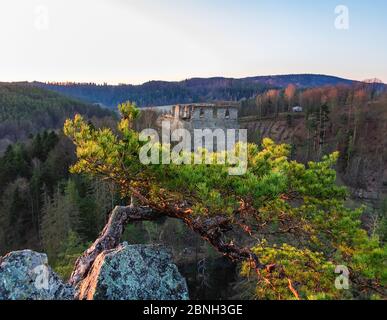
x=47 y=208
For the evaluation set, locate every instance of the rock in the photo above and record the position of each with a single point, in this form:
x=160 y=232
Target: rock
x=25 y=275
x=134 y=272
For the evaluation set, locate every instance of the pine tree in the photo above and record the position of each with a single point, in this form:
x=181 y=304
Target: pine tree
x=71 y=248
x=15 y=217
x=60 y=217
x=294 y=215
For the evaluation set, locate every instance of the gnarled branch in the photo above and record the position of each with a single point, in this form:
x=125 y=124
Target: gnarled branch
x=109 y=237
x=211 y=229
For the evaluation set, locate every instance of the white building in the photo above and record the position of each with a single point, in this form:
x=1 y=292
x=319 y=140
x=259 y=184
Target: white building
x=297 y=109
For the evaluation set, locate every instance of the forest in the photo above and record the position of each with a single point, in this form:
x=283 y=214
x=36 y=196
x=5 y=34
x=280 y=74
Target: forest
x=36 y=184
x=159 y=93
x=26 y=110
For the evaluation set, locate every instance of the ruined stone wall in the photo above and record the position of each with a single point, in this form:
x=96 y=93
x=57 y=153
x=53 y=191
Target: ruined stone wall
x=205 y=116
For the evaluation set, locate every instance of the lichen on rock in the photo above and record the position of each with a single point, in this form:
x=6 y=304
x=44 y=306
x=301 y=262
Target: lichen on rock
x=134 y=272
x=25 y=275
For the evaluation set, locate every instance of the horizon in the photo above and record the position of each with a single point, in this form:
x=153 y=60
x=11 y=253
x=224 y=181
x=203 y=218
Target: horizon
x=187 y=79
x=135 y=41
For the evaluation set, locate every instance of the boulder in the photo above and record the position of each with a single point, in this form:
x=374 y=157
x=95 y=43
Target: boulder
x=134 y=272
x=25 y=275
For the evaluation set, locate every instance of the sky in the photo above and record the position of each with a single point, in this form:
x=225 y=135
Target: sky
x=133 y=41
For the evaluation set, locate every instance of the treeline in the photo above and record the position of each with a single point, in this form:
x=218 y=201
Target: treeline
x=25 y=110
x=158 y=93
x=275 y=101
x=45 y=208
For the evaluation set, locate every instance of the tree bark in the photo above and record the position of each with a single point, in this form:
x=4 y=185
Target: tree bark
x=211 y=229
x=109 y=237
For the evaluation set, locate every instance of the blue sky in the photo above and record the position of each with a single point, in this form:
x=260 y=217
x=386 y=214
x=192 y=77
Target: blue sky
x=132 y=41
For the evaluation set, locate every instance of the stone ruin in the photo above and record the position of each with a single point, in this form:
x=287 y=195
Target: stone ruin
x=220 y=115
x=212 y=116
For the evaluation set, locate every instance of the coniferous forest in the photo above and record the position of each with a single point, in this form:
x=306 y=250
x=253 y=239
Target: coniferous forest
x=42 y=206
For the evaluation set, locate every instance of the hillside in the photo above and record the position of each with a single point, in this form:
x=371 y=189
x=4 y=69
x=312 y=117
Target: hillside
x=192 y=90
x=35 y=158
x=351 y=120
x=25 y=110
